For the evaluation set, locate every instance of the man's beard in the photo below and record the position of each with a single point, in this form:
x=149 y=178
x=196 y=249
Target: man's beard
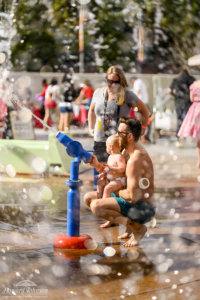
x=124 y=142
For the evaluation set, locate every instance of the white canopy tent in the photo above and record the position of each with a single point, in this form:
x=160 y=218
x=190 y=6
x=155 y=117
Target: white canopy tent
x=194 y=60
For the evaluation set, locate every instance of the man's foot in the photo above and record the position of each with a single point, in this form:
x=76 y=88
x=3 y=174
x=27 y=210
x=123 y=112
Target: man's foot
x=125 y=235
x=137 y=234
x=107 y=224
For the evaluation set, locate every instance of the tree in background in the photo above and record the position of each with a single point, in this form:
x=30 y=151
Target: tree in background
x=47 y=34
x=34 y=46
x=172 y=27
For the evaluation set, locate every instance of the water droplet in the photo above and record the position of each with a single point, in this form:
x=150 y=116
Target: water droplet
x=46 y=193
x=90 y=244
x=109 y=251
x=174 y=286
x=34 y=194
x=144 y=183
x=39 y=165
x=10 y=170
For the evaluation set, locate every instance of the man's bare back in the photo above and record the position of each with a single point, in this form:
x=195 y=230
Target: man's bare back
x=140 y=178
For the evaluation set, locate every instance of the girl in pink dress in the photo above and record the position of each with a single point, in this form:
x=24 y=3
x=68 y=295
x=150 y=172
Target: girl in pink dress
x=191 y=123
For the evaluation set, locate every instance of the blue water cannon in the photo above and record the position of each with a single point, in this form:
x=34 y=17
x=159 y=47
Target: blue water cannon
x=73 y=239
x=74 y=148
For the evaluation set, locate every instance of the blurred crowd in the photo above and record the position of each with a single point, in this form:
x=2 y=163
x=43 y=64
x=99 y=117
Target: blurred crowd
x=66 y=103
x=63 y=104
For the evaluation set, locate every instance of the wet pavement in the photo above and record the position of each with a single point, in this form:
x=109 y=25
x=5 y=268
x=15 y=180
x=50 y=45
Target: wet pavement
x=165 y=266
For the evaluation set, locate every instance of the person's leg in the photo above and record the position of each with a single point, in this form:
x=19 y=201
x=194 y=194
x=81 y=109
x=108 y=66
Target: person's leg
x=147 y=133
x=61 y=122
x=89 y=196
x=198 y=153
x=68 y=119
x=57 y=116
x=46 y=117
x=111 y=187
x=138 y=231
x=109 y=209
x=101 y=183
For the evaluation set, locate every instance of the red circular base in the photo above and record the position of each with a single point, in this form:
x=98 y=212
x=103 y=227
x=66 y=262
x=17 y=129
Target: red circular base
x=71 y=242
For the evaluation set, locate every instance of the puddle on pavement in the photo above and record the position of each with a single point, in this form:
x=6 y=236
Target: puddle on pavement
x=33 y=213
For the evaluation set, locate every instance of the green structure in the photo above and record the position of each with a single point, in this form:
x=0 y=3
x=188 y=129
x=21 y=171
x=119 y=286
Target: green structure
x=34 y=156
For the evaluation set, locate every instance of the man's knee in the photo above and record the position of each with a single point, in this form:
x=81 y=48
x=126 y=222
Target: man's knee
x=95 y=207
x=108 y=189
x=88 y=197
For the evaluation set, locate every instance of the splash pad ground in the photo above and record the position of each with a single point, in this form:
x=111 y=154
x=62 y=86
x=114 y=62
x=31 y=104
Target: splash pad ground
x=166 y=265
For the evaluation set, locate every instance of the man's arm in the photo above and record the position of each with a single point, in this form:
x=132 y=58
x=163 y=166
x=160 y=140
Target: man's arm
x=133 y=172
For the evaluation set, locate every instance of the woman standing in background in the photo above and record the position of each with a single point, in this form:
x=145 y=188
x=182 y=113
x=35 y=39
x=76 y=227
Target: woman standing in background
x=191 y=123
x=108 y=105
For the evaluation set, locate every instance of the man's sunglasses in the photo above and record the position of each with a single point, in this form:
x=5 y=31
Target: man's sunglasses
x=113 y=81
x=122 y=132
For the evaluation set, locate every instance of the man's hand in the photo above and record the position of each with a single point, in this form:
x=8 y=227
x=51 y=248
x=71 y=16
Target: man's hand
x=125 y=194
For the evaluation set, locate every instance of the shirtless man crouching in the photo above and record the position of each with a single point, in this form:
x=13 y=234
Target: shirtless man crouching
x=133 y=206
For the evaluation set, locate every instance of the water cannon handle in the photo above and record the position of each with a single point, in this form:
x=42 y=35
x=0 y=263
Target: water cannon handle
x=73 y=148
x=85 y=156
x=63 y=138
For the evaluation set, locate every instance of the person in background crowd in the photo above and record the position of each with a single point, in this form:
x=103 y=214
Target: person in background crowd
x=6 y=107
x=52 y=97
x=140 y=89
x=38 y=108
x=42 y=95
x=108 y=105
x=191 y=124
x=86 y=94
x=179 y=88
x=66 y=106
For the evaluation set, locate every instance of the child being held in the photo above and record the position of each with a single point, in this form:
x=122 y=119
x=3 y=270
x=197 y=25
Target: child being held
x=112 y=178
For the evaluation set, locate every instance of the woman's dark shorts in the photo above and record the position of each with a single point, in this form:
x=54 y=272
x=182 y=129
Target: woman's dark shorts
x=100 y=151
x=140 y=212
x=64 y=110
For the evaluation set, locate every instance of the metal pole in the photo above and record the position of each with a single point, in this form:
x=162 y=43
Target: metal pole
x=73 y=200
x=81 y=39
x=73 y=239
